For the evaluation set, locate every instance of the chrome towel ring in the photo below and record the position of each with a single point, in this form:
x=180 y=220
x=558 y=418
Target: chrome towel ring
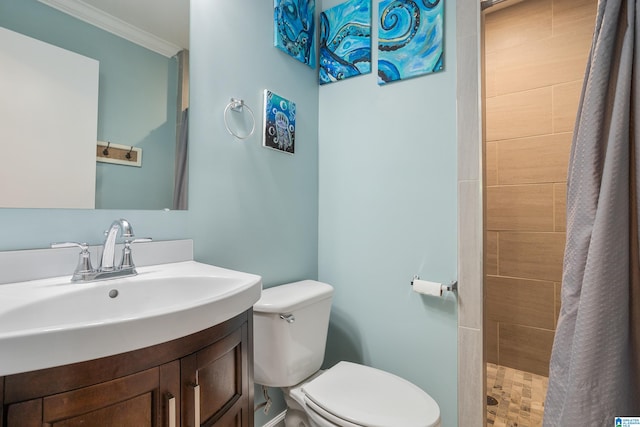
x=238 y=106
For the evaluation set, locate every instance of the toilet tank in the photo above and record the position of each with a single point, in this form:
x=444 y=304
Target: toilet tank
x=290 y=324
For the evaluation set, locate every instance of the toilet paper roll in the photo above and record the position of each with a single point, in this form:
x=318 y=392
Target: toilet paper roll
x=427 y=288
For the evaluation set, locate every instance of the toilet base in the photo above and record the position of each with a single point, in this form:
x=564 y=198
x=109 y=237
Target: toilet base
x=296 y=416
x=296 y=409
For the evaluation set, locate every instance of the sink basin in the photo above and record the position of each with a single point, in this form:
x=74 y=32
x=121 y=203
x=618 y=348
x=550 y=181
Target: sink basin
x=53 y=322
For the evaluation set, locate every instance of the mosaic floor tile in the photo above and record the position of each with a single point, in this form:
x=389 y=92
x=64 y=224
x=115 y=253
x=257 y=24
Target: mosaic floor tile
x=520 y=397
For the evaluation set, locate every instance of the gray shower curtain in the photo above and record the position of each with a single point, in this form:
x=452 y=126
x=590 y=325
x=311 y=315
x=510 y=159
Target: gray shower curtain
x=595 y=363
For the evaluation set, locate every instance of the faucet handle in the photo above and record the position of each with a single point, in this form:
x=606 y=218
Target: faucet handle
x=141 y=240
x=127 y=260
x=83 y=246
x=84 y=262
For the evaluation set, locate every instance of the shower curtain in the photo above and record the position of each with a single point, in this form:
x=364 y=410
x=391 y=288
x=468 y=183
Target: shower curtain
x=595 y=362
x=181 y=166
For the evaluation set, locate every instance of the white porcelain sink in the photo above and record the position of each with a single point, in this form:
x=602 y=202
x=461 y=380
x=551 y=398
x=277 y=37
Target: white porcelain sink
x=52 y=322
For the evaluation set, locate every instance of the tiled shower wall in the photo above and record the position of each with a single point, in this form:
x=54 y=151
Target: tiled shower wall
x=535 y=56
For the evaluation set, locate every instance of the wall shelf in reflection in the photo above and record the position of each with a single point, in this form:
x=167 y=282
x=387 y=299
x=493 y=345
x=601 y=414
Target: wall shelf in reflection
x=119 y=154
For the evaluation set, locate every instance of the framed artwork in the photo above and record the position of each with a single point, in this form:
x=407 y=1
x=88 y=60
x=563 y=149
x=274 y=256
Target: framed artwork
x=410 y=38
x=279 y=123
x=294 y=29
x=345 y=41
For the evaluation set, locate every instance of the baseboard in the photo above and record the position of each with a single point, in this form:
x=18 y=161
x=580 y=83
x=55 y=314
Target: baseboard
x=275 y=420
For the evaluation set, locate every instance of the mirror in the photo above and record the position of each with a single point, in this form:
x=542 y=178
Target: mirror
x=142 y=98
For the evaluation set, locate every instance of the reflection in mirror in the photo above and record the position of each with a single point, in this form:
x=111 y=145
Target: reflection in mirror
x=141 y=101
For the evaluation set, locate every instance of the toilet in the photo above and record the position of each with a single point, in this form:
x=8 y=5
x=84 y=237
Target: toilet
x=290 y=333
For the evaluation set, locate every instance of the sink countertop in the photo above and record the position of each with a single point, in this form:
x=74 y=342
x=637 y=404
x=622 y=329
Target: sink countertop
x=52 y=322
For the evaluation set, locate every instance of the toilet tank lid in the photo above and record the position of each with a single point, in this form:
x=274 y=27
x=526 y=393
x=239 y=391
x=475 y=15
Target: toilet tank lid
x=292 y=296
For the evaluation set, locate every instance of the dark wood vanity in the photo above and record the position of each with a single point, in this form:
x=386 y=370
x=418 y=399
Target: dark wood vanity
x=206 y=376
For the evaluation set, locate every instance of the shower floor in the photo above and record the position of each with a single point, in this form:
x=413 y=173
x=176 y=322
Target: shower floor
x=520 y=397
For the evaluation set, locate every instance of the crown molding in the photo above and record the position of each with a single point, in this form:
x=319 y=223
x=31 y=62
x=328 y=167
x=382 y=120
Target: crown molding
x=110 y=23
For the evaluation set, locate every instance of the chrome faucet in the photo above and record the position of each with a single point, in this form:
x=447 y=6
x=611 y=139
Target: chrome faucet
x=108 y=260
x=107 y=270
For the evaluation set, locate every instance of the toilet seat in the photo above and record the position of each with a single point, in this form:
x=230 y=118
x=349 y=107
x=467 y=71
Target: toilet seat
x=324 y=418
x=350 y=395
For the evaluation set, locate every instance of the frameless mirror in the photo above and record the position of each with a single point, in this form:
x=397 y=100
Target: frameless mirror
x=140 y=52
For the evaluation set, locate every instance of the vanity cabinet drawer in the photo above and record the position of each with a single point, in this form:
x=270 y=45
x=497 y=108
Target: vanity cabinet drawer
x=139 y=400
x=124 y=401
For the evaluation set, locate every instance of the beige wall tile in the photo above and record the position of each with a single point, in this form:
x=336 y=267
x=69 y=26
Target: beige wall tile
x=491 y=163
x=531 y=255
x=525 y=348
x=534 y=160
x=520 y=207
x=569 y=53
x=571 y=16
x=528 y=142
x=520 y=301
x=532 y=18
x=519 y=115
x=489 y=79
x=565 y=105
x=491 y=253
x=540 y=63
x=491 y=340
x=560 y=206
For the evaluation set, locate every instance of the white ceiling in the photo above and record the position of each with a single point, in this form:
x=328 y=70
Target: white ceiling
x=166 y=19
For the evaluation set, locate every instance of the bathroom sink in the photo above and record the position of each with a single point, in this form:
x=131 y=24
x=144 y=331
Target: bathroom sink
x=52 y=322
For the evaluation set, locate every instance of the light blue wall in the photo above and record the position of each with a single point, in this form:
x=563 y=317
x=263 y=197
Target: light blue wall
x=138 y=107
x=137 y=102
x=38 y=228
x=388 y=210
x=250 y=208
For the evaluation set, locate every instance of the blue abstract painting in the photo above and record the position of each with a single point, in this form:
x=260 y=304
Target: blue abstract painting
x=294 y=29
x=279 y=123
x=345 y=41
x=410 y=38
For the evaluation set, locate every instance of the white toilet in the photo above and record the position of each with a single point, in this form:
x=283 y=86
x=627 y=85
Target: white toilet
x=290 y=334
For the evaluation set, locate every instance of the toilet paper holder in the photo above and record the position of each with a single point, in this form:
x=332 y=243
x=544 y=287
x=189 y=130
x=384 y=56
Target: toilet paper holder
x=451 y=287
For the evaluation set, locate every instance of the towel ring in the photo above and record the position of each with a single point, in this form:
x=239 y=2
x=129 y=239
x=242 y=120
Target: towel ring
x=237 y=105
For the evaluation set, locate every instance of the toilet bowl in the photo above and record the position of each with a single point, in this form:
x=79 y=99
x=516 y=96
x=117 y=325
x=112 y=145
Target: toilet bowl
x=290 y=331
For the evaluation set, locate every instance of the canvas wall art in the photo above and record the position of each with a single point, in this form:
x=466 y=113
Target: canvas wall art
x=410 y=38
x=294 y=29
x=279 y=123
x=345 y=41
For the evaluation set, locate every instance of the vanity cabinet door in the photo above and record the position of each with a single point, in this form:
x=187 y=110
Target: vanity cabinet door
x=216 y=384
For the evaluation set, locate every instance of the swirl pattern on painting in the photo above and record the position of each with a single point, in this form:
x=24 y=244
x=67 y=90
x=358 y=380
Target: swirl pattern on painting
x=345 y=41
x=295 y=29
x=410 y=38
